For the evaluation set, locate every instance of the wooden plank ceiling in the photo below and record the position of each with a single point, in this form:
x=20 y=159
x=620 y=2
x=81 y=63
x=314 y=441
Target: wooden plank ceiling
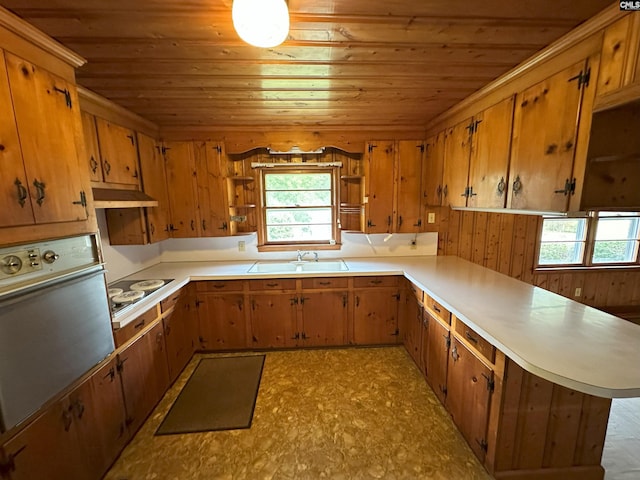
x=346 y=63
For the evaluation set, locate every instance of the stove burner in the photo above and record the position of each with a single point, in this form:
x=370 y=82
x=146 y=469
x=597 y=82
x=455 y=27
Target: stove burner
x=128 y=297
x=131 y=291
x=147 y=285
x=114 y=291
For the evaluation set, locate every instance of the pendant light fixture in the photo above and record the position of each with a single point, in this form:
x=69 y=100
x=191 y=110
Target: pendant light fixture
x=262 y=23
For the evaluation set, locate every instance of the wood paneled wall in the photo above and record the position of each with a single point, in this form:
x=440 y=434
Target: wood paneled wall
x=507 y=243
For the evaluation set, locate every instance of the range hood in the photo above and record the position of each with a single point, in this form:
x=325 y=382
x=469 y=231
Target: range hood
x=121 y=198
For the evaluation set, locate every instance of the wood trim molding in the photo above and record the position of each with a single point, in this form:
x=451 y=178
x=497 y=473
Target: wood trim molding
x=579 y=34
x=19 y=27
x=102 y=107
x=617 y=98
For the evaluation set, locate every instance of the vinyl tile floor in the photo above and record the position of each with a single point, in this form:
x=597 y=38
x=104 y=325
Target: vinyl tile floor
x=353 y=413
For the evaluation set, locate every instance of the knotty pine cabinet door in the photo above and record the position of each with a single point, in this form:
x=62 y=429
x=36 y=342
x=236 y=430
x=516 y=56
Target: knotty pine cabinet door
x=457 y=152
x=412 y=336
x=439 y=339
x=48 y=121
x=92 y=147
x=433 y=170
x=375 y=316
x=469 y=387
x=180 y=332
x=222 y=321
x=379 y=186
x=183 y=189
x=212 y=193
x=324 y=319
x=409 y=187
x=545 y=130
x=273 y=320
x=490 y=150
x=118 y=153
x=154 y=184
x=17 y=208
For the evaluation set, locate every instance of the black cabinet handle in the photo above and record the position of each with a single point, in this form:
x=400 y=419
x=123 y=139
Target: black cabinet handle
x=22 y=192
x=470 y=337
x=40 y=186
x=94 y=164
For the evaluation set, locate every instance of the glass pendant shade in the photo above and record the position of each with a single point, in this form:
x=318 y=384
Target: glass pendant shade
x=262 y=23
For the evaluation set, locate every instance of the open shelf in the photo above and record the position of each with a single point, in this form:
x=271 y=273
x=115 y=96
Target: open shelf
x=238 y=207
x=241 y=179
x=351 y=177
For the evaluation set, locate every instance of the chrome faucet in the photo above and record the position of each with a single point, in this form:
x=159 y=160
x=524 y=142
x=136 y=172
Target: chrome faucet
x=301 y=255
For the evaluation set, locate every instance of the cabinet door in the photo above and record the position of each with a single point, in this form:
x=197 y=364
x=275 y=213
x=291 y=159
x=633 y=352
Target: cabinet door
x=379 y=180
x=221 y=320
x=118 y=152
x=183 y=189
x=409 y=191
x=48 y=448
x=437 y=357
x=179 y=336
x=17 y=209
x=154 y=183
x=99 y=414
x=469 y=384
x=375 y=316
x=457 y=151
x=432 y=171
x=48 y=119
x=490 y=149
x=324 y=318
x=212 y=194
x=413 y=334
x=615 y=46
x=544 y=141
x=91 y=147
x=273 y=320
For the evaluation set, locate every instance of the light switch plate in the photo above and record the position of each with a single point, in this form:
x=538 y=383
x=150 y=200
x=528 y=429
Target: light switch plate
x=431 y=217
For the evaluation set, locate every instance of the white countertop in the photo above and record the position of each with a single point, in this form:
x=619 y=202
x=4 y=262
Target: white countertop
x=560 y=340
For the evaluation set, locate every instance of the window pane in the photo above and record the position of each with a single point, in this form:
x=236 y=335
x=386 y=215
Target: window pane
x=617 y=229
x=561 y=253
x=298 y=198
x=298 y=233
x=302 y=216
x=614 y=251
x=297 y=181
x=563 y=229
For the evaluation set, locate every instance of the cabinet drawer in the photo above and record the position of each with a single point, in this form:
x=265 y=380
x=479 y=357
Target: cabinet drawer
x=437 y=309
x=330 y=282
x=170 y=301
x=131 y=329
x=483 y=347
x=418 y=293
x=387 y=281
x=273 y=284
x=220 y=286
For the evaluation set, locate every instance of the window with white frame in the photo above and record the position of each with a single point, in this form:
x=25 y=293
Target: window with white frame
x=602 y=239
x=299 y=206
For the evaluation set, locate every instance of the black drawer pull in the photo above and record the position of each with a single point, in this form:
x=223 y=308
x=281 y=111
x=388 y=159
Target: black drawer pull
x=376 y=282
x=138 y=325
x=435 y=307
x=272 y=284
x=470 y=337
x=324 y=283
x=218 y=286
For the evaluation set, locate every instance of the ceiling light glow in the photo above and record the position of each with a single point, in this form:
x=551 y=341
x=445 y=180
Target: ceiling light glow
x=262 y=23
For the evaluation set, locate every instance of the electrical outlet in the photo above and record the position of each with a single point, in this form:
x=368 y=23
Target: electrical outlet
x=431 y=217
x=413 y=245
x=578 y=292
x=241 y=246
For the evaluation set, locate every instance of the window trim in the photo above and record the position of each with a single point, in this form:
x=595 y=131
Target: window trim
x=263 y=244
x=587 y=260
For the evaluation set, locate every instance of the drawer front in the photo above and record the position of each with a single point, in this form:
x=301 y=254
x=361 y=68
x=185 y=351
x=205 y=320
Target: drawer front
x=131 y=329
x=483 y=347
x=437 y=309
x=329 y=282
x=170 y=301
x=220 y=286
x=387 y=281
x=418 y=293
x=273 y=284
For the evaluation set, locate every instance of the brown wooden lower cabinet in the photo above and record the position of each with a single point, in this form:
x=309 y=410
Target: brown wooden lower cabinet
x=412 y=321
x=181 y=332
x=222 y=321
x=375 y=316
x=273 y=320
x=438 y=342
x=76 y=438
x=324 y=319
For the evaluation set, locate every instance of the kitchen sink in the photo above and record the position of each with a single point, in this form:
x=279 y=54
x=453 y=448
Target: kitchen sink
x=290 y=267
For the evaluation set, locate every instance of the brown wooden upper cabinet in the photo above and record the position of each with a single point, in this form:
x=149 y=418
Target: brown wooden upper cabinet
x=118 y=151
x=183 y=189
x=44 y=181
x=620 y=57
x=432 y=171
x=154 y=183
x=545 y=133
x=476 y=158
x=393 y=186
x=212 y=193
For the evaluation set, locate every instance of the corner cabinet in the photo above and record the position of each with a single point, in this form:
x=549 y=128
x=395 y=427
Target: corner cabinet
x=45 y=182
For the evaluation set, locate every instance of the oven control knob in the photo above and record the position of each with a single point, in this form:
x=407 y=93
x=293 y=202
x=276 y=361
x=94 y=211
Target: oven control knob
x=11 y=264
x=50 y=256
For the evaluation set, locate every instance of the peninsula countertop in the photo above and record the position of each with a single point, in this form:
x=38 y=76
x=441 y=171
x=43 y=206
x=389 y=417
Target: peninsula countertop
x=556 y=338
